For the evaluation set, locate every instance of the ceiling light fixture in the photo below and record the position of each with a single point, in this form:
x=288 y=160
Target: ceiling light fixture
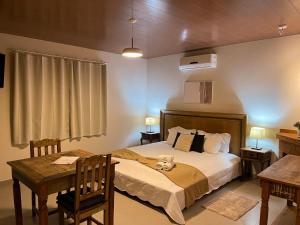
x=132 y=52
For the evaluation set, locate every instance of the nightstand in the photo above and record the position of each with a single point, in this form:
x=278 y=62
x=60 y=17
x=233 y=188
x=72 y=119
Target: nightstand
x=151 y=137
x=249 y=155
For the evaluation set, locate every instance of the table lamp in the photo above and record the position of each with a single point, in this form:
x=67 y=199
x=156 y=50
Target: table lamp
x=257 y=133
x=149 y=121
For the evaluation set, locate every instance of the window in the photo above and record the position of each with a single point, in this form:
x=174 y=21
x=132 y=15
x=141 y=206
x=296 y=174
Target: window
x=56 y=97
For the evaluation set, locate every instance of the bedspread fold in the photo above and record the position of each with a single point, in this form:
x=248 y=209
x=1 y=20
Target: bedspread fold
x=192 y=180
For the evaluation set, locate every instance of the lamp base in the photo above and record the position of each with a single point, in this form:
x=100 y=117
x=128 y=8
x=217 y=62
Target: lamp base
x=149 y=132
x=256 y=148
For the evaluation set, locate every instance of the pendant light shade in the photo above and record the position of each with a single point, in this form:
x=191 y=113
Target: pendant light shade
x=132 y=52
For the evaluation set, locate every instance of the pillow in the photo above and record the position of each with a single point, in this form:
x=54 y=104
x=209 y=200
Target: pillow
x=173 y=132
x=176 y=138
x=184 y=142
x=212 y=143
x=224 y=136
x=226 y=142
x=201 y=132
x=197 y=144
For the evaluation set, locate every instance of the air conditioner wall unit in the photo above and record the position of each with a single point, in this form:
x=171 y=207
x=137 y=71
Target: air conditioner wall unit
x=198 y=62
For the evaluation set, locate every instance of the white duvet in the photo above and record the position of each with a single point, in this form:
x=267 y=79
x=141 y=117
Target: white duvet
x=152 y=186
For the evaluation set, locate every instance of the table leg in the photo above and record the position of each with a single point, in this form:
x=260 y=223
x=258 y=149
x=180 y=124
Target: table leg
x=43 y=209
x=298 y=207
x=289 y=203
x=141 y=141
x=244 y=169
x=248 y=169
x=110 y=213
x=17 y=202
x=264 y=210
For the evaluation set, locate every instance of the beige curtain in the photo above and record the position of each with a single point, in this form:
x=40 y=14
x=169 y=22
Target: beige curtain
x=88 y=99
x=55 y=97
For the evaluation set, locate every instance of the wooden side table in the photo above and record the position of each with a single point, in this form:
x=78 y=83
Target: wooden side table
x=151 y=137
x=249 y=155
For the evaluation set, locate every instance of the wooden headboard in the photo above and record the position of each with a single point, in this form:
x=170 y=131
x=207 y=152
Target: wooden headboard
x=234 y=124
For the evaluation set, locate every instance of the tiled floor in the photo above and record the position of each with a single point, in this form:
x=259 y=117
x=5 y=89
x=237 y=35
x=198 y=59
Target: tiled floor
x=129 y=211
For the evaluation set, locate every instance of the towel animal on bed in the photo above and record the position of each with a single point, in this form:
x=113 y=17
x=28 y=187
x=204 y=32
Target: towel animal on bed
x=165 y=162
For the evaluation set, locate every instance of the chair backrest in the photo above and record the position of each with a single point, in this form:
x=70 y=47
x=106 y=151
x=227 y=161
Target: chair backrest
x=92 y=178
x=44 y=147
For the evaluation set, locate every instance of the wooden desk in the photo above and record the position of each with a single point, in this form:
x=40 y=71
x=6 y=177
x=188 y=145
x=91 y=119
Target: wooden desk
x=289 y=143
x=281 y=179
x=44 y=178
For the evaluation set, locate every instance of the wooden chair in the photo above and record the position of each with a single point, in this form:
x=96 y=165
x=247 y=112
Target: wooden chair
x=40 y=148
x=91 y=194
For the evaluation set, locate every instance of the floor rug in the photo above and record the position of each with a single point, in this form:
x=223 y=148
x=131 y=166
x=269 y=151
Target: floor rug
x=231 y=205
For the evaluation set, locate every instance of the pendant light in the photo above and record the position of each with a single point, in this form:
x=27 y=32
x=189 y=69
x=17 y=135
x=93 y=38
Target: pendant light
x=132 y=52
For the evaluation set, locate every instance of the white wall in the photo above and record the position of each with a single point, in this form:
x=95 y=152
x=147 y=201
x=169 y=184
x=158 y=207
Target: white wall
x=126 y=99
x=261 y=79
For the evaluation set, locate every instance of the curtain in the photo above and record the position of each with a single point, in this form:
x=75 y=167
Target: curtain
x=88 y=99
x=55 y=97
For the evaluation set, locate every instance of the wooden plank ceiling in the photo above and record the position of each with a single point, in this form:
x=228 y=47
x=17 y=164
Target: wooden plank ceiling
x=164 y=26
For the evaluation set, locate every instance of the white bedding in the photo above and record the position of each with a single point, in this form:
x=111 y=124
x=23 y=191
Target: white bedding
x=150 y=185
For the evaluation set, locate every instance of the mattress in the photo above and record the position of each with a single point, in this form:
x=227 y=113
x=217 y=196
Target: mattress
x=152 y=186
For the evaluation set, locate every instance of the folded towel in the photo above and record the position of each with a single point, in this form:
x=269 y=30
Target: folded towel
x=168 y=166
x=159 y=165
x=165 y=158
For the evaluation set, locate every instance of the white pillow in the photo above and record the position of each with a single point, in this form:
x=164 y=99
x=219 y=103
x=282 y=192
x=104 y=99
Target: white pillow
x=212 y=143
x=173 y=132
x=224 y=136
x=202 y=132
x=226 y=142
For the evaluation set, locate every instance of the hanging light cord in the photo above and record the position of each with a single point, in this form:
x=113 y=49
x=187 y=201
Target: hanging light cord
x=132 y=33
x=132 y=21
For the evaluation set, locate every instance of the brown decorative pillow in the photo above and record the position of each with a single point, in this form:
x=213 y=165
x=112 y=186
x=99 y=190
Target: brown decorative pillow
x=184 y=142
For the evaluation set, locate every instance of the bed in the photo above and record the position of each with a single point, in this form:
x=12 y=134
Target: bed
x=152 y=186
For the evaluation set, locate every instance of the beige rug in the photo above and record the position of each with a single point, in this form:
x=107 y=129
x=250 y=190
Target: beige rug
x=231 y=205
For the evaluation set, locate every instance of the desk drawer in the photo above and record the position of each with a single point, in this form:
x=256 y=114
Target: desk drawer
x=286 y=147
x=249 y=154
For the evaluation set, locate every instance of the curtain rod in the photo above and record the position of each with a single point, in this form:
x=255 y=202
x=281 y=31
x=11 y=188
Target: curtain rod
x=58 y=56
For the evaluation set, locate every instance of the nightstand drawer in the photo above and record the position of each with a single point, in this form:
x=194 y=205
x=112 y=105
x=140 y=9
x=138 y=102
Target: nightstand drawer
x=250 y=154
x=150 y=137
x=264 y=157
x=153 y=136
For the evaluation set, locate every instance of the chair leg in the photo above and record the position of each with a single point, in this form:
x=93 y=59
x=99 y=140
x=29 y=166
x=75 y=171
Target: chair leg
x=89 y=221
x=106 y=217
x=61 y=215
x=76 y=220
x=33 y=204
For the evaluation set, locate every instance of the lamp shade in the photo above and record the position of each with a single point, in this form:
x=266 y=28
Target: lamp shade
x=257 y=132
x=149 y=121
x=132 y=52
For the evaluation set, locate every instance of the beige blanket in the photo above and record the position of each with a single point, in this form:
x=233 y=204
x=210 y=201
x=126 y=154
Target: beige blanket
x=194 y=182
